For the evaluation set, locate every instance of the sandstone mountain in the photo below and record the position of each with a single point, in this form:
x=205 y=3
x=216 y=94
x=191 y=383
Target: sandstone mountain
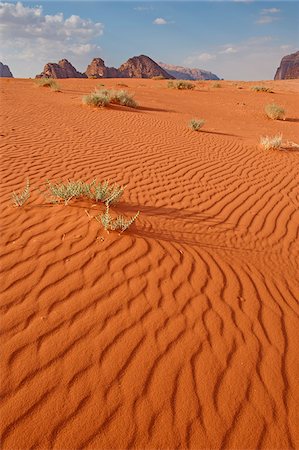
x=184 y=73
x=63 y=69
x=289 y=67
x=142 y=67
x=97 y=69
x=137 y=67
x=4 y=71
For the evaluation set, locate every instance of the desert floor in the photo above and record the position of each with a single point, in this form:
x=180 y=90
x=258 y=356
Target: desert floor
x=181 y=332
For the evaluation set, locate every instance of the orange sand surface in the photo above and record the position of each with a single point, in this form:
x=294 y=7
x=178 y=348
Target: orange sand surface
x=181 y=332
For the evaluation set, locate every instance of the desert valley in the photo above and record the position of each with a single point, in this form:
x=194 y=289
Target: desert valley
x=149 y=255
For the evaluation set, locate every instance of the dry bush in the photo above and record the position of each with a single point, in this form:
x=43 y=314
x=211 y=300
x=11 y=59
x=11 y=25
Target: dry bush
x=268 y=143
x=196 y=124
x=181 y=85
x=98 y=98
x=275 y=112
x=117 y=223
x=216 y=85
x=104 y=97
x=19 y=198
x=48 y=82
x=261 y=89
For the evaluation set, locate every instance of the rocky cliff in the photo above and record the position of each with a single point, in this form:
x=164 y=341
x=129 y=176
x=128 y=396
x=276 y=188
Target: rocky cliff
x=289 y=67
x=142 y=67
x=184 y=73
x=63 y=69
x=97 y=69
x=4 y=71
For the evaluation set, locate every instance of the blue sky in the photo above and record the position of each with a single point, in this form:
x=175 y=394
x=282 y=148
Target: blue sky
x=236 y=40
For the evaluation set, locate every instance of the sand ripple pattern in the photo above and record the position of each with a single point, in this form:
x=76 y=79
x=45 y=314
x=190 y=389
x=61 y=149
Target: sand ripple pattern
x=179 y=334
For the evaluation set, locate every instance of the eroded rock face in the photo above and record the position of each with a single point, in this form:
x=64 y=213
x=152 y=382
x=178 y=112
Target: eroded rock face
x=5 y=71
x=289 y=67
x=64 y=69
x=97 y=69
x=142 y=67
x=184 y=73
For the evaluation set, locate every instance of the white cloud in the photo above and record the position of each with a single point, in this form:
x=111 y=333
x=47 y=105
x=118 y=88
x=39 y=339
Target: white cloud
x=201 y=57
x=28 y=34
x=229 y=50
x=160 y=21
x=267 y=15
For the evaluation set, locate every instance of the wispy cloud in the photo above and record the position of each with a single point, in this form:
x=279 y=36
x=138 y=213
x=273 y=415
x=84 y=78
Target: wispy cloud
x=160 y=21
x=268 y=15
x=201 y=57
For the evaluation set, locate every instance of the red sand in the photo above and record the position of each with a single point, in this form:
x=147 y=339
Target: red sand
x=180 y=333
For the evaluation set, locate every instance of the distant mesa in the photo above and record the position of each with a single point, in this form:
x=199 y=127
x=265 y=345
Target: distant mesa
x=63 y=69
x=5 y=71
x=184 y=73
x=289 y=67
x=137 y=67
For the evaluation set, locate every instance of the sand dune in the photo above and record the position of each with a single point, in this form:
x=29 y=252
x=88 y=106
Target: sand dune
x=180 y=333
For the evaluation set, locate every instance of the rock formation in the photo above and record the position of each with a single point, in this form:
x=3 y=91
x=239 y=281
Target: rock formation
x=142 y=67
x=63 y=69
x=4 y=71
x=289 y=67
x=184 y=73
x=97 y=69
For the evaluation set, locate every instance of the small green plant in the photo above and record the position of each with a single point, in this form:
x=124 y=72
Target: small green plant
x=216 y=85
x=21 y=197
x=98 y=98
x=48 y=82
x=97 y=191
x=196 y=124
x=269 y=143
x=275 y=112
x=180 y=84
x=119 y=223
x=261 y=89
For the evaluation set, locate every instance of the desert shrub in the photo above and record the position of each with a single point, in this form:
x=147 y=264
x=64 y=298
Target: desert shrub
x=122 y=98
x=48 y=82
x=98 y=191
x=274 y=112
x=98 y=98
x=122 y=85
x=261 y=89
x=118 y=223
x=19 y=198
x=180 y=84
x=196 y=124
x=269 y=143
x=102 y=97
x=158 y=77
x=216 y=85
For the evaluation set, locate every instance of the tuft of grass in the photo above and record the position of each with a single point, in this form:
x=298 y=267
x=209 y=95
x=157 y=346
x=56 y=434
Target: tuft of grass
x=104 y=97
x=181 y=85
x=216 y=85
x=274 y=112
x=119 y=223
x=48 y=82
x=196 y=124
x=269 y=143
x=261 y=89
x=98 y=98
x=122 y=98
x=19 y=198
x=97 y=191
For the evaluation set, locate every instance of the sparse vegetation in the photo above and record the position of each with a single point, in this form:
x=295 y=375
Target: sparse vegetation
x=196 y=124
x=275 y=112
x=97 y=191
x=117 y=223
x=48 y=82
x=269 y=143
x=104 y=97
x=180 y=84
x=261 y=89
x=98 y=98
x=122 y=85
x=216 y=85
x=20 y=198
x=159 y=77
